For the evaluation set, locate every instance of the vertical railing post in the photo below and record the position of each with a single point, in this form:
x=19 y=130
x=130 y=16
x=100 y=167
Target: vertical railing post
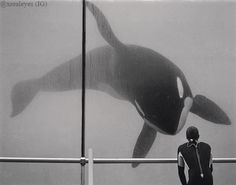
x=83 y=91
x=83 y=78
x=90 y=167
x=82 y=175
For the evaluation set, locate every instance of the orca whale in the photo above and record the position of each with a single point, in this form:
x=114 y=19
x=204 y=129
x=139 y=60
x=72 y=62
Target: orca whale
x=153 y=84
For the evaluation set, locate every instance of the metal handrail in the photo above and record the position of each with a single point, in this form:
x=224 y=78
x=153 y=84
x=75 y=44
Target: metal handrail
x=102 y=160
x=40 y=160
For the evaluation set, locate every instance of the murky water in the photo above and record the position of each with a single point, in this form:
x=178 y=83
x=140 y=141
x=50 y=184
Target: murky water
x=199 y=37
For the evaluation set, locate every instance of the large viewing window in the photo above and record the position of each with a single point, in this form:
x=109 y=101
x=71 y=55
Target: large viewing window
x=41 y=76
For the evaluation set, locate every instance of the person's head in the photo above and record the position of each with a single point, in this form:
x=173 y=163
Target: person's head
x=192 y=133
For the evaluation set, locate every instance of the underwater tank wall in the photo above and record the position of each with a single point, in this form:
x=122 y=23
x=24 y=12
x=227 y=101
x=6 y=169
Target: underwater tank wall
x=40 y=47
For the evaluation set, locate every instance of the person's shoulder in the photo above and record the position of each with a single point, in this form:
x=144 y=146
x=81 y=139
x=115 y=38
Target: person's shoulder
x=182 y=146
x=204 y=144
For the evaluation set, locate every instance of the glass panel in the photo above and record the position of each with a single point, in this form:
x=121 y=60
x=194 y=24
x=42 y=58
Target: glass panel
x=150 y=174
x=128 y=83
x=39 y=88
x=39 y=174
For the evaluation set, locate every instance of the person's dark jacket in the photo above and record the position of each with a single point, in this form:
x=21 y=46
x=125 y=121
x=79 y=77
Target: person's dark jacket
x=198 y=159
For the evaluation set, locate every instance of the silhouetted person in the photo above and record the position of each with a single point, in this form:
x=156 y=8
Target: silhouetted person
x=197 y=157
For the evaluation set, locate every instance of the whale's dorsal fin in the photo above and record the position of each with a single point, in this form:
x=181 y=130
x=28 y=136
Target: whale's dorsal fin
x=104 y=27
x=209 y=111
x=144 y=142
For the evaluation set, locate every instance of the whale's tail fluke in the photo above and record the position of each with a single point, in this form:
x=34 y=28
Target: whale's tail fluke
x=104 y=27
x=22 y=94
x=209 y=111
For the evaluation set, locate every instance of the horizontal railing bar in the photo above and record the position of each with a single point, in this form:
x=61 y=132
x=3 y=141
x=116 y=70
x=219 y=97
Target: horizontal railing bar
x=133 y=160
x=102 y=160
x=153 y=160
x=224 y=160
x=39 y=160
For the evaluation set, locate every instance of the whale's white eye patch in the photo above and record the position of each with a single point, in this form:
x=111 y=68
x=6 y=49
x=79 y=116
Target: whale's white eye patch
x=180 y=87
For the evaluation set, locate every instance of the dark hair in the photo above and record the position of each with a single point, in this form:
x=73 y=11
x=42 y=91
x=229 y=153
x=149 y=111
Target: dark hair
x=192 y=133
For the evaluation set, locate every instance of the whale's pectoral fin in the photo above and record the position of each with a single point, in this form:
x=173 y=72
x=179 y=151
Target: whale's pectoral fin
x=208 y=110
x=144 y=143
